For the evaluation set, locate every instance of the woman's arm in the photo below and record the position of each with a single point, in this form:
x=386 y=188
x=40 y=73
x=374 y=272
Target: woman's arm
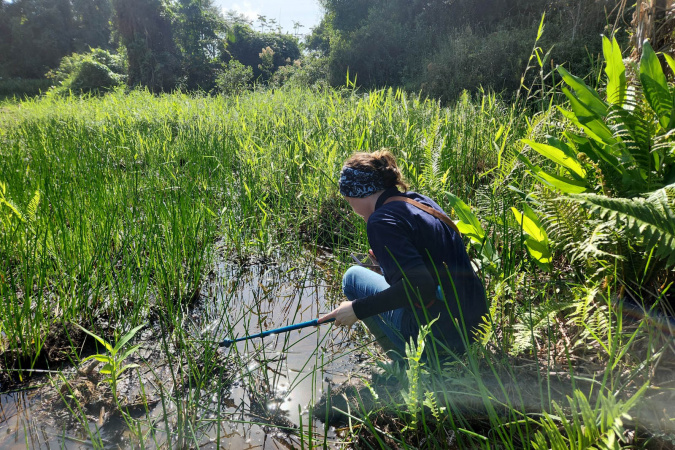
x=344 y=315
x=416 y=286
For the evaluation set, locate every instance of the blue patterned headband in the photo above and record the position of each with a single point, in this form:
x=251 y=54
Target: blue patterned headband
x=358 y=183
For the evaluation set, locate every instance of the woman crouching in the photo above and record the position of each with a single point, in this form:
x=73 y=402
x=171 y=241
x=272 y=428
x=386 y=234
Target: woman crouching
x=427 y=273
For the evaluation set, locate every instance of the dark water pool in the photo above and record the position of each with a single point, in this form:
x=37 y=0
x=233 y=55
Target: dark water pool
x=271 y=383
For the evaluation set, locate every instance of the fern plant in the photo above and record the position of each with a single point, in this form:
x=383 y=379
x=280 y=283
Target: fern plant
x=585 y=427
x=413 y=393
x=651 y=218
x=616 y=149
x=11 y=210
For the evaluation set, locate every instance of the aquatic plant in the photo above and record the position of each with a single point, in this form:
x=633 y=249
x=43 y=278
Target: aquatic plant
x=113 y=362
x=143 y=202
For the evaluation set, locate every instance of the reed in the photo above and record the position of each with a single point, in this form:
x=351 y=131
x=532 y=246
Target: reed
x=116 y=211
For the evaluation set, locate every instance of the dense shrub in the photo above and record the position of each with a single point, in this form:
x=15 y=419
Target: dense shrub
x=246 y=45
x=443 y=48
x=311 y=71
x=376 y=52
x=97 y=71
x=467 y=61
x=36 y=34
x=234 y=79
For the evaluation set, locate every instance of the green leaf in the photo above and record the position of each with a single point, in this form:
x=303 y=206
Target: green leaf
x=557 y=143
x=532 y=226
x=648 y=220
x=584 y=94
x=31 y=210
x=615 y=70
x=469 y=224
x=129 y=351
x=655 y=86
x=14 y=209
x=128 y=366
x=108 y=369
x=538 y=250
x=100 y=339
x=595 y=150
x=591 y=123
x=126 y=338
x=540 y=30
x=558 y=156
x=100 y=358
x=537 y=243
x=563 y=184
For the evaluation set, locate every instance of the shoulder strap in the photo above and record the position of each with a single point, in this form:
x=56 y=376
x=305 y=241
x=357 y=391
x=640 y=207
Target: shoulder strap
x=434 y=212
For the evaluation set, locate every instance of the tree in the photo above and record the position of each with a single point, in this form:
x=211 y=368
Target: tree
x=145 y=29
x=442 y=47
x=198 y=30
x=319 y=39
x=39 y=32
x=5 y=36
x=296 y=28
x=247 y=44
x=263 y=22
x=92 y=24
x=36 y=34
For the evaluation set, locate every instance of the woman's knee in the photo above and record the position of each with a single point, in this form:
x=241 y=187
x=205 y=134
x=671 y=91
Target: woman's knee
x=349 y=282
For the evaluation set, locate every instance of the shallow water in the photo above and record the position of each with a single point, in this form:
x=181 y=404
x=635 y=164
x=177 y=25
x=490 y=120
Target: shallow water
x=277 y=377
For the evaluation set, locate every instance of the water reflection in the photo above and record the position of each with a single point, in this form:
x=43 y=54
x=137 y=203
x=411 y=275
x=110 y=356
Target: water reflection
x=260 y=392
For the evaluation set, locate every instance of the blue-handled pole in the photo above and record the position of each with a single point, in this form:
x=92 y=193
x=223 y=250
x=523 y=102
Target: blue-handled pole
x=312 y=323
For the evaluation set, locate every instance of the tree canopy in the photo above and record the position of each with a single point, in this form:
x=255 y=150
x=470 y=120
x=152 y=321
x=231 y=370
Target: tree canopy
x=443 y=47
x=437 y=47
x=36 y=34
x=167 y=44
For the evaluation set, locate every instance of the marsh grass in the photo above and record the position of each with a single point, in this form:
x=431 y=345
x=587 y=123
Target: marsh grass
x=134 y=190
x=119 y=209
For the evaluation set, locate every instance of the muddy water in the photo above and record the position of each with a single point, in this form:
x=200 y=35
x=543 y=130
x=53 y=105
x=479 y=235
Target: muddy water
x=270 y=387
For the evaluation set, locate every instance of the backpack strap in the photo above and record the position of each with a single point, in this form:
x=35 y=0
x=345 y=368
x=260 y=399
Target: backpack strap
x=437 y=214
x=428 y=209
x=434 y=212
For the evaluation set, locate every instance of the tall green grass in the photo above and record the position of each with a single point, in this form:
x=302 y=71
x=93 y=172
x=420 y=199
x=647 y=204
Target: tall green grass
x=115 y=209
x=135 y=192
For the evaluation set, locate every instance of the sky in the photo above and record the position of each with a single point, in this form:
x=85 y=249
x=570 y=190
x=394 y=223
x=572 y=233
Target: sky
x=307 y=12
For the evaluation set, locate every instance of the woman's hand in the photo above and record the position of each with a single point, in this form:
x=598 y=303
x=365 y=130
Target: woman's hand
x=344 y=315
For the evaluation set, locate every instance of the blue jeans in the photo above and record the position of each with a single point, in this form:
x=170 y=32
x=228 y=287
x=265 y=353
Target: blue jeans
x=392 y=329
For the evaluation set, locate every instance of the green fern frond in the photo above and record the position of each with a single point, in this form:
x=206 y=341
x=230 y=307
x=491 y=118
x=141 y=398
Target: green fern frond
x=13 y=208
x=534 y=323
x=590 y=315
x=634 y=131
x=433 y=145
x=603 y=236
x=431 y=403
x=566 y=222
x=585 y=426
x=650 y=220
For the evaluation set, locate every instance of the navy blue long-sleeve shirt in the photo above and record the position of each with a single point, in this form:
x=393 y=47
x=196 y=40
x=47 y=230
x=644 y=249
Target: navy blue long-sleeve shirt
x=418 y=252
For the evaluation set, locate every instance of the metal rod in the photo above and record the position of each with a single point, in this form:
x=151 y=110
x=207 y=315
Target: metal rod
x=311 y=323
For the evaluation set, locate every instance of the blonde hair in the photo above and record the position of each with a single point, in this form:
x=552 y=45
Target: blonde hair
x=382 y=162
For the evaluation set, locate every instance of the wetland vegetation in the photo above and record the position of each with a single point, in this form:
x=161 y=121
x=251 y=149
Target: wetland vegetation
x=162 y=224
